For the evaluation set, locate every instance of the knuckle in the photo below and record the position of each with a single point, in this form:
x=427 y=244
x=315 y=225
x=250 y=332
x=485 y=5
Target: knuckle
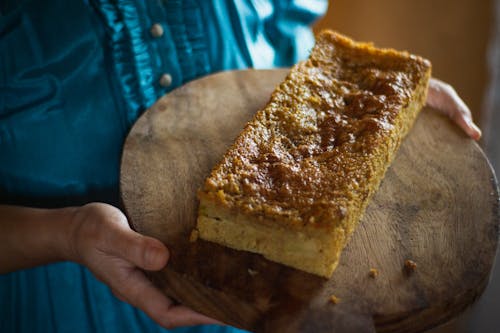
x=465 y=112
x=131 y=291
x=134 y=250
x=134 y=292
x=448 y=87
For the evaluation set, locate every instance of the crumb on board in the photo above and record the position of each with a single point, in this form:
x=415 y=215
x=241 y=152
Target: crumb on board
x=410 y=266
x=334 y=299
x=373 y=273
x=252 y=272
x=193 y=237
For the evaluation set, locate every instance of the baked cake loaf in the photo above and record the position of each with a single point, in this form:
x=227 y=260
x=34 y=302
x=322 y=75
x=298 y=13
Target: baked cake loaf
x=298 y=178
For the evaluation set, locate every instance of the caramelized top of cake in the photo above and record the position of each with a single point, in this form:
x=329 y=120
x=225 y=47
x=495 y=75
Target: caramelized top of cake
x=302 y=159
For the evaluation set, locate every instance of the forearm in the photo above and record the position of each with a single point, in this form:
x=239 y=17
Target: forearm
x=31 y=236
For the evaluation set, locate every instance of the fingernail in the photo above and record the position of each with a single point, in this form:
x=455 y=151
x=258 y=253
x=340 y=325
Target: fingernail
x=476 y=130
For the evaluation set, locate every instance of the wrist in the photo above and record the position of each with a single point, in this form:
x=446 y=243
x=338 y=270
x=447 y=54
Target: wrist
x=62 y=242
x=31 y=236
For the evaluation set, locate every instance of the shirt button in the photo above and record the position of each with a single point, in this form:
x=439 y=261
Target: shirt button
x=156 y=30
x=166 y=80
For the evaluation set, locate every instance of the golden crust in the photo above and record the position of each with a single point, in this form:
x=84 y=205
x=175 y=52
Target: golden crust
x=307 y=157
x=299 y=176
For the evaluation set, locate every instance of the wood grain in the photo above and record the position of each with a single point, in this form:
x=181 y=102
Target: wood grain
x=438 y=206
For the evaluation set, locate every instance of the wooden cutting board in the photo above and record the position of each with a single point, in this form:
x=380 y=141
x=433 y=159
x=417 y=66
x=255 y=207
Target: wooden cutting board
x=438 y=206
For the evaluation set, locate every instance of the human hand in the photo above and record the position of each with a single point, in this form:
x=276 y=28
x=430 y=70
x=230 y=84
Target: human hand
x=102 y=240
x=445 y=99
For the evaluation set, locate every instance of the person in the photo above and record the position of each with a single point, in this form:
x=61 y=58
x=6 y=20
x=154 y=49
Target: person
x=74 y=77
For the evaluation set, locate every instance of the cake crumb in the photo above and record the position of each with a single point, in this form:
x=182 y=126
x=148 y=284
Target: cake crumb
x=373 y=273
x=252 y=272
x=334 y=299
x=193 y=237
x=410 y=266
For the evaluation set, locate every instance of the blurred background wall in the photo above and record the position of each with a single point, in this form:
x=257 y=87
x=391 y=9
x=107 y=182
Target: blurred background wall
x=462 y=40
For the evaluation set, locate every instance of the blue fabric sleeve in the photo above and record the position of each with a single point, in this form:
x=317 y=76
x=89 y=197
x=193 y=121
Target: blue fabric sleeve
x=277 y=33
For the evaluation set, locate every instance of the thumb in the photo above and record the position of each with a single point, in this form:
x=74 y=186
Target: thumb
x=145 y=252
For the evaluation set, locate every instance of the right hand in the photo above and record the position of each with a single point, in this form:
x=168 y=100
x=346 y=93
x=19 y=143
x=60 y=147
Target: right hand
x=102 y=240
x=443 y=97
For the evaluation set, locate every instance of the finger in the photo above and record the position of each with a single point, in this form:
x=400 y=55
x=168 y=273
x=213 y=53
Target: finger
x=460 y=104
x=118 y=295
x=436 y=94
x=141 y=293
x=445 y=99
x=183 y=316
x=463 y=117
x=134 y=288
x=467 y=126
x=471 y=128
x=145 y=252
x=475 y=132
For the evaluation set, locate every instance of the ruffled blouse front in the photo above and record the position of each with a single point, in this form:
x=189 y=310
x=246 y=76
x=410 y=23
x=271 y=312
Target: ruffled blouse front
x=74 y=77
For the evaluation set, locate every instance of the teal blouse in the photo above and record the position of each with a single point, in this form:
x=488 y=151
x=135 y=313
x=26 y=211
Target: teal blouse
x=74 y=77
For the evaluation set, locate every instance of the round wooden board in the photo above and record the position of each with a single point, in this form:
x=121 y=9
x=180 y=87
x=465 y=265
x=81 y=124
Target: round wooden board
x=438 y=206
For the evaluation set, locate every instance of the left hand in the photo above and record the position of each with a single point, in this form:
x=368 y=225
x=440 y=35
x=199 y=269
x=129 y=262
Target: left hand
x=102 y=240
x=445 y=99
